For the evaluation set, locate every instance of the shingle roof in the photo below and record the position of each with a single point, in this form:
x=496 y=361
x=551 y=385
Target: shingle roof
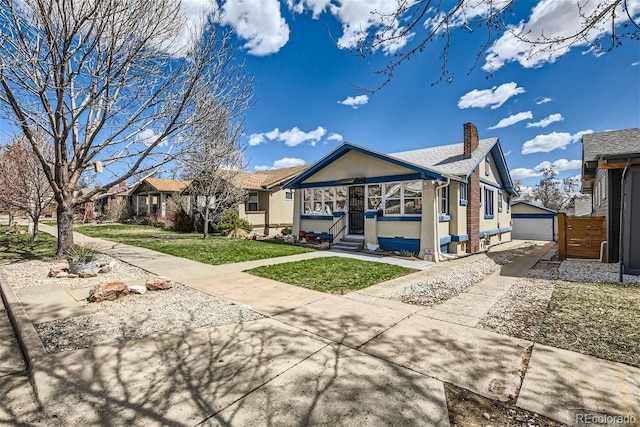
x=447 y=159
x=611 y=142
x=168 y=185
x=268 y=178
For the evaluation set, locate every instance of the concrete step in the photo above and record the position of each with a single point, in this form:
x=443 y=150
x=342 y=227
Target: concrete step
x=341 y=248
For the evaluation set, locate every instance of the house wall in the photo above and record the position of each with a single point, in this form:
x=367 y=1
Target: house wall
x=353 y=165
x=496 y=229
x=458 y=223
x=279 y=212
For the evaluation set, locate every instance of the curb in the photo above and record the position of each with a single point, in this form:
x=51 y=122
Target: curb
x=25 y=332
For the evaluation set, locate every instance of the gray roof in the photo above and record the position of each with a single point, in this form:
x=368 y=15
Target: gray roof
x=621 y=141
x=447 y=159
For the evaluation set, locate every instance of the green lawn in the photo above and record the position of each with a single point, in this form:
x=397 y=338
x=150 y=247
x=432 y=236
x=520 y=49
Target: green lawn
x=214 y=250
x=331 y=274
x=597 y=319
x=19 y=247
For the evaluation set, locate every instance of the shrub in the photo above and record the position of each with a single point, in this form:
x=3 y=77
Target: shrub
x=182 y=221
x=287 y=230
x=230 y=221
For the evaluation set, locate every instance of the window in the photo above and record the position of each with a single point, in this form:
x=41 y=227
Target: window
x=480 y=196
x=393 y=199
x=252 y=202
x=412 y=198
x=307 y=201
x=488 y=203
x=464 y=190
x=323 y=200
x=374 y=197
x=508 y=203
x=288 y=195
x=487 y=166
x=341 y=198
x=444 y=200
x=499 y=200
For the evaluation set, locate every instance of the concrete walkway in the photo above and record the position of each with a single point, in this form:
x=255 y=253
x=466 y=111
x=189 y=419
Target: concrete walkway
x=320 y=359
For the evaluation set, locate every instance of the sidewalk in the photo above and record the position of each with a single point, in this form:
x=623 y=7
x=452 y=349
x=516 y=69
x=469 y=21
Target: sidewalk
x=320 y=358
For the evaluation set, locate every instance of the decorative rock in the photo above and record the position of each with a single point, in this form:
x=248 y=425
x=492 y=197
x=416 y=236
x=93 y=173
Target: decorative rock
x=486 y=416
x=62 y=275
x=105 y=269
x=108 y=291
x=155 y=283
x=87 y=274
x=138 y=289
x=72 y=276
x=58 y=268
x=324 y=246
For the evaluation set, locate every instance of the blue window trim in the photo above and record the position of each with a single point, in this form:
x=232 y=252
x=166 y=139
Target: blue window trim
x=463 y=203
x=491 y=183
x=459 y=237
x=499 y=200
x=488 y=216
x=370 y=214
x=400 y=218
x=533 y=215
x=444 y=218
x=338 y=214
x=489 y=204
x=322 y=217
x=487 y=166
x=445 y=240
x=463 y=200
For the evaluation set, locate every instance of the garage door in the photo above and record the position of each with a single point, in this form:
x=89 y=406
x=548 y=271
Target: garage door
x=532 y=228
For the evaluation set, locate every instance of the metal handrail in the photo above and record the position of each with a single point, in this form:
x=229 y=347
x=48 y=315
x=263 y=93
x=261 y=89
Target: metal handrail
x=335 y=225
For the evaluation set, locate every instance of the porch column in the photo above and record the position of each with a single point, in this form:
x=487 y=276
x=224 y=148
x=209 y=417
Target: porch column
x=163 y=206
x=429 y=221
x=297 y=210
x=149 y=202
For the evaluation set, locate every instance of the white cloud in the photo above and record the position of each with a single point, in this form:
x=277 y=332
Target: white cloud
x=633 y=64
x=551 y=141
x=542 y=100
x=291 y=137
x=148 y=137
x=355 y=101
x=512 y=120
x=520 y=173
x=560 y=165
x=552 y=118
x=285 y=162
x=494 y=97
x=335 y=137
x=316 y=6
x=259 y=23
x=554 y=20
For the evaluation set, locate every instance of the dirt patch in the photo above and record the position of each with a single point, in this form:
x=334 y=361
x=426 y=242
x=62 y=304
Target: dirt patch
x=470 y=410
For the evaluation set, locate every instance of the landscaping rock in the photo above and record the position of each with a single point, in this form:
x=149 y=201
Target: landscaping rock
x=138 y=289
x=105 y=269
x=87 y=274
x=58 y=268
x=155 y=283
x=62 y=275
x=108 y=291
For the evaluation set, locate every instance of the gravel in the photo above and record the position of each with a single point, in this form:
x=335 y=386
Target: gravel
x=440 y=288
x=574 y=270
x=171 y=311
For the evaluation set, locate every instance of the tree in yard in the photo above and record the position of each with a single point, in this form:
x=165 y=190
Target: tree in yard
x=404 y=28
x=553 y=193
x=23 y=184
x=115 y=85
x=213 y=168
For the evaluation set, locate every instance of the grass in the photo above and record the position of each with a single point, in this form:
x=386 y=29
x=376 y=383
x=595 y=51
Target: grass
x=215 y=250
x=597 y=319
x=331 y=274
x=21 y=247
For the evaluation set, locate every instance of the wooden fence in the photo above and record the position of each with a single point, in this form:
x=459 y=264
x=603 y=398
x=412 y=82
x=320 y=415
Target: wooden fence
x=580 y=237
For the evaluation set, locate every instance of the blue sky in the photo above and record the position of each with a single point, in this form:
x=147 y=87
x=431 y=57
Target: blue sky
x=308 y=101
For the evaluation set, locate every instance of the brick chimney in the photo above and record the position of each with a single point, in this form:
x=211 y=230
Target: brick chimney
x=122 y=184
x=470 y=140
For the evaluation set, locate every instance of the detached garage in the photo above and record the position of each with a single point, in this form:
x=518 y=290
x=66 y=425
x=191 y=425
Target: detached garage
x=532 y=222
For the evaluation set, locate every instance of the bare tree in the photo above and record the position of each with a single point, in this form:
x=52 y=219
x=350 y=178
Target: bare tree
x=22 y=180
x=213 y=169
x=115 y=84
x=413 y=25
x=553 y=193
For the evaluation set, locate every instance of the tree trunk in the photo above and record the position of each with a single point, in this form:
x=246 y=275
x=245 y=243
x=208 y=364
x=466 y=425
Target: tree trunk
x=36 y=236
x=11 y=218
x=205 y=231
x=65 y=228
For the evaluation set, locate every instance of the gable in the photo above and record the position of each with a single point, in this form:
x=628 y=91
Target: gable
x=354 y=164
x=529 y=208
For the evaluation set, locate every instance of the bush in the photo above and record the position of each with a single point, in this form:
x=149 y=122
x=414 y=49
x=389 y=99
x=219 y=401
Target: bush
x=286 y=231
x=182 y=221
x=230 y=221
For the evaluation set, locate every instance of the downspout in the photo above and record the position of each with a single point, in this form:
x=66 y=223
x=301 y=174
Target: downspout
x=435 y=211
x=622 y=207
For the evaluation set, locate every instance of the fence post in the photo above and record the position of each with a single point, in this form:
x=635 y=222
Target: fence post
x=562 y=236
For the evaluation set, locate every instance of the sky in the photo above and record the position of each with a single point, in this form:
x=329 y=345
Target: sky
x=308 y=96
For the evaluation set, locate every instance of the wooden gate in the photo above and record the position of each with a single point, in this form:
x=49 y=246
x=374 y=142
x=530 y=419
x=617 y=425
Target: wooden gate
x=580 y=237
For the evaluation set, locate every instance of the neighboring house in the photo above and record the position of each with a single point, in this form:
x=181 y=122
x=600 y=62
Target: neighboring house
x=268 y=207
x=533 y=222
x=150 y=196
x=448 y=199
x=611 y=174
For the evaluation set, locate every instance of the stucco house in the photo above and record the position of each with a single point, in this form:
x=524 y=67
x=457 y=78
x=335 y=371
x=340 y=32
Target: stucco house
x=268 y=207
x=450 y=199
x=611 y=174
x=150 y=196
